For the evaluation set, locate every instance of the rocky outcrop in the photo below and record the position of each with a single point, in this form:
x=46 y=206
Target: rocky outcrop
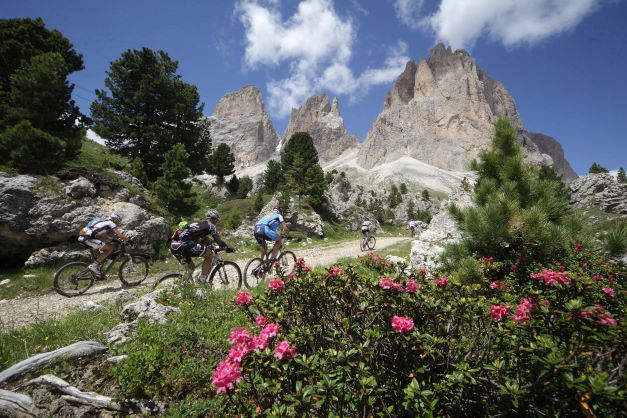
x=441 y=111
x=442 y=230
x=323 y=122
x=550 y=146
x=41 y=212
x=240 y=121
x=600 y=190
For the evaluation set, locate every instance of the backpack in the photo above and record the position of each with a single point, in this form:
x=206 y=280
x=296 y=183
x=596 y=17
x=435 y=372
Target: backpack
x=88 y=230
x=178 y=231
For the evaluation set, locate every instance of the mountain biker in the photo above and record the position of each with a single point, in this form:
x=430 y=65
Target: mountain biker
x=265 y=230
x=366 y=227
x=412 y=227
x=189 y=242
x=98 y=236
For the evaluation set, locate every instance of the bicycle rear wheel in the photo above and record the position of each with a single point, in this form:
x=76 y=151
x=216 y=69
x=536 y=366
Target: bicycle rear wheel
x=254 y=273
x=287 y=262
x=133 y=270
x=73 y=279
x=371 y=242
x=226 y=275
x=167 y=281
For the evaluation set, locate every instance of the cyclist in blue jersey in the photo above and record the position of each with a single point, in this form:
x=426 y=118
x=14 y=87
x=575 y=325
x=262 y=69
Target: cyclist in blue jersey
x=265 y=230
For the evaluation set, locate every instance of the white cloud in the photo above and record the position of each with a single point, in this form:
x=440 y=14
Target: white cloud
x=512 y=22
x=316 y=45
x=408 y=12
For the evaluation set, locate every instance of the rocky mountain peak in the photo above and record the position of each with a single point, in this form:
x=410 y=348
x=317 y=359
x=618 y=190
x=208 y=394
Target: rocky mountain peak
x=441 y=111
x=240 y=120
x=549 y=145
x=324 y=123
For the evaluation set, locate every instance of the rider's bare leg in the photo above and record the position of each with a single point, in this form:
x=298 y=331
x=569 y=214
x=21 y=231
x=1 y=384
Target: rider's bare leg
x=277 y=247
x=263 y=251
x=105 y=251
x=206 y=263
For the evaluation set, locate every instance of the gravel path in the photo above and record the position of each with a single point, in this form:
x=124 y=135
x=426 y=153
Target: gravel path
x=16 y=313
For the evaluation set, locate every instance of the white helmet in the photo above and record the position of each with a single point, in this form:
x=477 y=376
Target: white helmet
x=212 y=214
x=115 y=218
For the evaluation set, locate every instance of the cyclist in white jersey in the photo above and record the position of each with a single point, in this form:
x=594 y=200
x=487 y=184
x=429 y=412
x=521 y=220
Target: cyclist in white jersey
x=99 y=239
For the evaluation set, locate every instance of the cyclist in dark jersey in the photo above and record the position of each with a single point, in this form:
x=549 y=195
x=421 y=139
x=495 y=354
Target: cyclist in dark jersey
x=190 y=242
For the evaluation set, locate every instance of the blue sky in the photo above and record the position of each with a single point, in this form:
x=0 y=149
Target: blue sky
x=563 y=61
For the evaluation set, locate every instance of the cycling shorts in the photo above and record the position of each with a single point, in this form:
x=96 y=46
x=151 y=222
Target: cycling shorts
x=263 y=233
x=188 y=249
x=92 y=243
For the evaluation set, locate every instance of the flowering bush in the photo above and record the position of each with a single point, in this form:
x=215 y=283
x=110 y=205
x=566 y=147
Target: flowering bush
x=357 y=343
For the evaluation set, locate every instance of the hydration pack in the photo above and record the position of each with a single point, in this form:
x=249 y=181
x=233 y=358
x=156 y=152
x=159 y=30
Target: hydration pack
x=88 y=230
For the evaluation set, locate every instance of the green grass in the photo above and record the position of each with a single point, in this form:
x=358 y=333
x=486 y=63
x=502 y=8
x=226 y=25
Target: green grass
x=17 y=345
x=26 y=286
x=96 y=157
x=400 y=250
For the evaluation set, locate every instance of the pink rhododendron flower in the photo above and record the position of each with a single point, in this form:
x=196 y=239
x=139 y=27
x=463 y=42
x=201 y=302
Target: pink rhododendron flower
x=276 y=285
x=238 y=352
x=259 y=343
x=270 y=331
x=300 y=262
x=586 y=314
x=514 y=267
x=411 y=285
x=240 y=335
x=499 y=312
x=261 y=321
x=606 y=320
x=586 y=265
x=423 y=272
x=608 y=291
x=291 y=276
x=523 y=310
x=306 y=269
x=487 y=260
x=225 y=376
x=495 y=284
x=551 y=277
x=597 y=278
x=397 y=287
x=283 y=351
x=386 y=283
x=335 y=272
x=402 y=324
x=244 y=298
x=441 y=282
x=546 y=303
x=577 y=248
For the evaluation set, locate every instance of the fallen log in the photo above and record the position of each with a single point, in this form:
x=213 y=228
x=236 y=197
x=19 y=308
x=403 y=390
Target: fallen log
x=79 y=349
x=13 y=404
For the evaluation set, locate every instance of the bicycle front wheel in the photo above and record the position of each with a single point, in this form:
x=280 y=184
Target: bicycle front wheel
x=167 y=281
x=371 y=242
x=254 y=273
x=362 y=245
x=73 y=279
x=133 y=270
x=226 y=275
x=287 y=262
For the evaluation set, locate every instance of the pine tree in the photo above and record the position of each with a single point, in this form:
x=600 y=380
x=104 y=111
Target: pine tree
x=518 y=210
x=136 y=169
x=245 y=186
x=411 y=209
x=597 y=168
x=172 y=190
x=622 y=178
x=425 y=195
x=272 y=177
x=147 y=109
x=233 y=184
x=315 y=186
x=403 y=188
x=221 y=163
x=301 y=144
x=258 y=203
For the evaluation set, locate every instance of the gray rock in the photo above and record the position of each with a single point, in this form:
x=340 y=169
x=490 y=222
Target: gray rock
x=549 y=145
x=90 y=305
x=63 y=253
x=600 y=190
x=5 y=282
x=240 y=121
x=124 y=295
x=81 y=187
x=131 y=214
x=325 y=125
x=441 y=111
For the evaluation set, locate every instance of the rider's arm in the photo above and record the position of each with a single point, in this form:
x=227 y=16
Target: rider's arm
x=285 y=228
x=218 y=240
x=118 y=232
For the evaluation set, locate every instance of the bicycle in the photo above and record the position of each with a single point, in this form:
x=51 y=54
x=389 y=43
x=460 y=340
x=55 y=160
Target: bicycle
x=226 y=272
x=257 y=268
x=74 y=279
x=367 y=242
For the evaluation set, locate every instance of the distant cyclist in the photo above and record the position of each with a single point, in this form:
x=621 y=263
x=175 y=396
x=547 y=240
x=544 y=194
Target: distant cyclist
x=98 y=235
x=189 y=242
x=265 y=230
x=366 y=228
x=412 y=225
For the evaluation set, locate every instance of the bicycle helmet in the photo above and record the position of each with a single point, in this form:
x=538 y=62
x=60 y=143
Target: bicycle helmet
x=115 y=218
x=212 y=214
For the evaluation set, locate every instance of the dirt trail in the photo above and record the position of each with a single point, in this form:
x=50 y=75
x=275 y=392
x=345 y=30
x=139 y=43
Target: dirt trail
x=16 y=313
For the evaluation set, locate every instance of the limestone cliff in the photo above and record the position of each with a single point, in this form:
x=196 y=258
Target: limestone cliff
x=323 y=122
x=441 y=111
x=549 y=145
x=241 y=121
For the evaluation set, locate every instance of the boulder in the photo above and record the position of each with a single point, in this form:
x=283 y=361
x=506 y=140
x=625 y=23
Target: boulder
x=600 y=190
x=81 y=187
x=63 y=253
x=132 y=215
